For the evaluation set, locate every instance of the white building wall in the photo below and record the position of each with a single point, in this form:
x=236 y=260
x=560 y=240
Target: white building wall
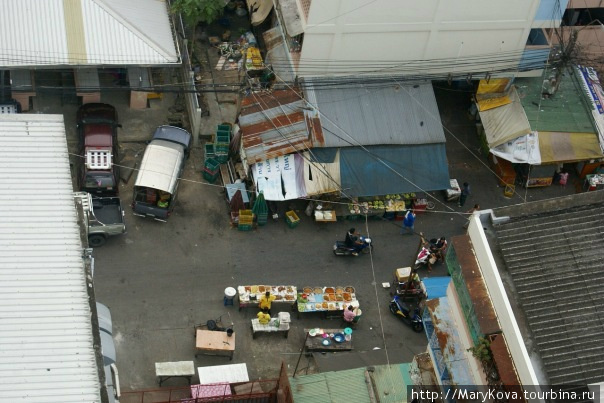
x=343 y=36
x=501 y=304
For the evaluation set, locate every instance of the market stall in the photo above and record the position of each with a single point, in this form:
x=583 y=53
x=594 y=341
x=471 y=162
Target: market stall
x=330 y=300
x=249 y=295
x=593 y=182
x=328 y=339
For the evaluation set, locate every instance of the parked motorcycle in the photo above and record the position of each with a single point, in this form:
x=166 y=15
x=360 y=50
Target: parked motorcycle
x=340 y=248
x=423 y=257
x=402 y=311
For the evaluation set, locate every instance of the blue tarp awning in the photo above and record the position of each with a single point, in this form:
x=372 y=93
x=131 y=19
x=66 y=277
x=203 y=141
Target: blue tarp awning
x=415 y=168
x=436 y=287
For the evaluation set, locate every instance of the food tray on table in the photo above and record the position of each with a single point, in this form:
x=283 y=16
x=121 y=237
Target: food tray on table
x=253 y=293
x=317 y=299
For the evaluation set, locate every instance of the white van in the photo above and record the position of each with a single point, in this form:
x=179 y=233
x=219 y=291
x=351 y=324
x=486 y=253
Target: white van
x=158 y=176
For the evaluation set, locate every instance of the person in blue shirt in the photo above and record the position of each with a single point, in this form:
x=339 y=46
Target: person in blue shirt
x=408 y=223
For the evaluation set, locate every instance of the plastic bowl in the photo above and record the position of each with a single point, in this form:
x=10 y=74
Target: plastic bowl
x=348 y=331
x=339 y=338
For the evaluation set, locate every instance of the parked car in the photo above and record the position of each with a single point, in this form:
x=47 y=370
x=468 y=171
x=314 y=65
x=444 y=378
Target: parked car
x=104 y=217
x=159 y=174
x=112 y=383
x=97 y=126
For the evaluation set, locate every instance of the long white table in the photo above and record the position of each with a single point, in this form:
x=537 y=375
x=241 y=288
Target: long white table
x=233 y=373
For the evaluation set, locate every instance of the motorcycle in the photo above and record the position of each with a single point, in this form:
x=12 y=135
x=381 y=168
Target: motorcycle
x=423 y=257
x=340 y=248
x=402 y=311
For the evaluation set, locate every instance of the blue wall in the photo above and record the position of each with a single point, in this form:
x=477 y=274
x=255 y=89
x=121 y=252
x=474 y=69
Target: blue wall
x=551 y=10
x=533 y=59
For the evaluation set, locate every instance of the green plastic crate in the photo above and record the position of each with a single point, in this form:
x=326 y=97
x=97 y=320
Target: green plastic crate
x=223 y=138
x=244 y=227
x=223 y=128
x=209 y=151
x=212 y=164
x=209 y=177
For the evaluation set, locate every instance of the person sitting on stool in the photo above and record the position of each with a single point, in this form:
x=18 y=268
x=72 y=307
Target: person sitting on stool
x=264 y=317
x=349 y=314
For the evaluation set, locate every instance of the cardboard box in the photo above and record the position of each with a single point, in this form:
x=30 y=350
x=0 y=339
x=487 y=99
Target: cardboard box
x=402 y=274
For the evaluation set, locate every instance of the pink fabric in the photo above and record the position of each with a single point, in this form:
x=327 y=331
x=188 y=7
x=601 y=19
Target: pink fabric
x=349 y=315
x=563 y=178
x=211 y=390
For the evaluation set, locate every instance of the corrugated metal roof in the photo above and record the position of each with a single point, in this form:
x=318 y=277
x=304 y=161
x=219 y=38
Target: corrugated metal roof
x=46 y=341
x=391 y=382
x=373 y=114
x=334 y=387
x=86 y=32
x=275 y=124
x=566 y=111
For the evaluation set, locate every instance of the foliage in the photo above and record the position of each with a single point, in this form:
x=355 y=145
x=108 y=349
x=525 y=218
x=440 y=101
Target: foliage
x=482 y=350
x=196 y=11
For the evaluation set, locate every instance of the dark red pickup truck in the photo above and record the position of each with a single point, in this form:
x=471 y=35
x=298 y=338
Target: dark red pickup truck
x=97 y=131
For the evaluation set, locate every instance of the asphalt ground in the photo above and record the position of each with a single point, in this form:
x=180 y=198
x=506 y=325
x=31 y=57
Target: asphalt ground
x=161 y=279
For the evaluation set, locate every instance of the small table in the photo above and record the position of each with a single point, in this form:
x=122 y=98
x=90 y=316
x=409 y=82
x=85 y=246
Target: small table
x=177 y=369
x=269 y=327
x=316 y=343
x=211 y=342
x=233 y=373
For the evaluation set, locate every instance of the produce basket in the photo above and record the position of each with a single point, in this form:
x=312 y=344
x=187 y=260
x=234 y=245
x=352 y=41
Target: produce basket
x=246 y=217
x=292 y=219
x=224 y=128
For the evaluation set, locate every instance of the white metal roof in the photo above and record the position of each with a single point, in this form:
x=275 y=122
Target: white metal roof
x=160 y=166
x=46 y=341
x=85 y=32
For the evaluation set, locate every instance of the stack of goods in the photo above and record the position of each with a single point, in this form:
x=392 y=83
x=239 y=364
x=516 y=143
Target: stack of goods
x=292 y=219
x=211 y=170
x=326 y=298
x=260 y=209
x=282 y=293
x=222 y=143
x=246 y=219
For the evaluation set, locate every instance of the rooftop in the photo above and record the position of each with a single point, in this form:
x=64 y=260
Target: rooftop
x=86 y=32
x=552 y=252
x=567 y=110
x=375 y=113
x=46 y=341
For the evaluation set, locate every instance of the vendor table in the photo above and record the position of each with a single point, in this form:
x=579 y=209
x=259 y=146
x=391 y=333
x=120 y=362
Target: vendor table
x=325 y=216
x=234 y=373
x=273 y=326
x=249 y=295
x=593 y=182
x=177 y=369
x=315 y=343
x=211 y=342
x=331 y=300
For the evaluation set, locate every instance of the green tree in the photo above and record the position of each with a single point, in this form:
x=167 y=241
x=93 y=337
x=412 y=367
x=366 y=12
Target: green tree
x=196 y=11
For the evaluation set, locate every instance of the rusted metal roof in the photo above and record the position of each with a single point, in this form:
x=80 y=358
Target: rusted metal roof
x=277 y=123
x=449 y=341
x=477 y=289
x=503 y=361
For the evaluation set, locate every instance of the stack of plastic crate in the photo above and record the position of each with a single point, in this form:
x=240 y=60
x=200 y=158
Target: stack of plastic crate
x=260 y=209
x=246 y=219
x=211 y=170
x=222 y=142
x=292 y=219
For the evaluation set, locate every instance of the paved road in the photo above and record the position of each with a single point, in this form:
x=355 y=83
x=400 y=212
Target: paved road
x=160 y=279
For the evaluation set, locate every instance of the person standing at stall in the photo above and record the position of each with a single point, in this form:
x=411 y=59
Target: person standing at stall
x=266 y=301
x=408 y=223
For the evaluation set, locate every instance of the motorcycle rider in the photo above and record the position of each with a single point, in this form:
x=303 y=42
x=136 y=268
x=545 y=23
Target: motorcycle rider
x=352 y=241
